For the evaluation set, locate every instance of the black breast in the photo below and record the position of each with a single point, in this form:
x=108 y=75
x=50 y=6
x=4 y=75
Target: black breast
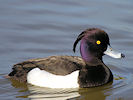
x=94 y=76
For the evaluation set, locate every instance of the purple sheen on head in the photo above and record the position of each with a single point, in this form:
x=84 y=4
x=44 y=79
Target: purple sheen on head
x=84 y=50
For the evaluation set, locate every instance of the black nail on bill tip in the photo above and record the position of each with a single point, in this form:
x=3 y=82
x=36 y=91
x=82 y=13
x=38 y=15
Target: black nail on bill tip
x=122 y=55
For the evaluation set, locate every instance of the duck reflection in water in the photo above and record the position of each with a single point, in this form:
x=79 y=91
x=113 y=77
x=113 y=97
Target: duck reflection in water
x=41 y=93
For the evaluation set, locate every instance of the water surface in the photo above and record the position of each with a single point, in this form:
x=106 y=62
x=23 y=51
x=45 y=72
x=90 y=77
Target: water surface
x=34 y=29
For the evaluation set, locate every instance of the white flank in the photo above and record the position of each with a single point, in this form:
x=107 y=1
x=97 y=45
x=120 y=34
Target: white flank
x=43 y=78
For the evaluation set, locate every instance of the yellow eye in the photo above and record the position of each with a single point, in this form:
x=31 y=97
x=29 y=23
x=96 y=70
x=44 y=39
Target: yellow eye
x=98 y=42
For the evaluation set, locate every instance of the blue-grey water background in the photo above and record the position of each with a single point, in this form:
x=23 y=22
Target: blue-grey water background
x=41 y=28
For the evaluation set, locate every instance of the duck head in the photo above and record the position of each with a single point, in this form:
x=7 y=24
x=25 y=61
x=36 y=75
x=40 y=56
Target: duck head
x=94 y=44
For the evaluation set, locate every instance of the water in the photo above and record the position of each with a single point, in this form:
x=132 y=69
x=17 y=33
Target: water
x=34 y=29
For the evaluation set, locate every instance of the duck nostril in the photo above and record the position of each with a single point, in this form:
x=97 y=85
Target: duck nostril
x=122 y=55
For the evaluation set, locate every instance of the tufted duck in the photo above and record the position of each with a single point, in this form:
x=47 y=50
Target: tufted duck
x=71 y=71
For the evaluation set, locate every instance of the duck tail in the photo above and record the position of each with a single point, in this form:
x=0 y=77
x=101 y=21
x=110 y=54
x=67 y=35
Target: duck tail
x=20 y=70
x=18 y=73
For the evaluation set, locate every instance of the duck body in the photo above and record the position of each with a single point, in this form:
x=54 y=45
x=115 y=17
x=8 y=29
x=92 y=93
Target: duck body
x=55 y=67
x=69 y=71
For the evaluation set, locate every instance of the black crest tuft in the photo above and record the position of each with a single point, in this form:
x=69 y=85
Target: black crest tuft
x=81 y=36
x=78 y=39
